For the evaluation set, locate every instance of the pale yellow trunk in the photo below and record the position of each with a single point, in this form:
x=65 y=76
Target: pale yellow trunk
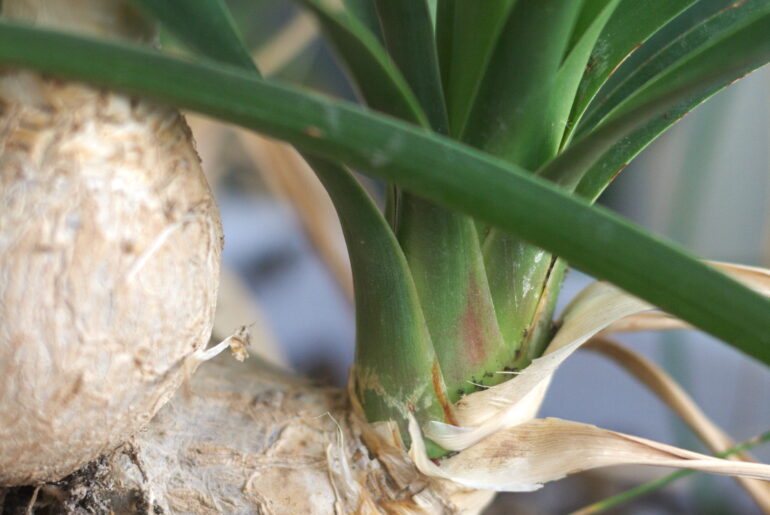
x=248 y=438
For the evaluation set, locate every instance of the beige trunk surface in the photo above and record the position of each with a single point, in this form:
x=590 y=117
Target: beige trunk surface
x=247 y=438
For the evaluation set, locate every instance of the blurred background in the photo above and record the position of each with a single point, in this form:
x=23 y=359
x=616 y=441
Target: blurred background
x=704 y=185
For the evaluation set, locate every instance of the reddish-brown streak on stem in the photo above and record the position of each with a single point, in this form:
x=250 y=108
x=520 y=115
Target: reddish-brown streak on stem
x=472 y=327
x=438 y=388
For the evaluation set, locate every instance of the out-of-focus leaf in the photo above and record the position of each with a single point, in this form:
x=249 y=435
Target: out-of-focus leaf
x=366 y=12
x=445 y=10
x=206 y=25
x=374 y=73
x=656 y=484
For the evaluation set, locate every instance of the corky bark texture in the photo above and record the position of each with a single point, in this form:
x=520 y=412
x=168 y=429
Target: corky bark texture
x=110 y=245
x=247 y=438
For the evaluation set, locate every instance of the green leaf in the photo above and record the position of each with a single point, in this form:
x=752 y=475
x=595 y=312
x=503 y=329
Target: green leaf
x=468 y=37
x=590 y=10
x=444 y=33
x=632 y=23
x=439 y=169
x=396 y=370
x=517 y=273
x=571 y=71
x=366 y=12
x=698 y=39
x=206 y=25
x=592 y=162
x=508 y=115
x=680 y=24
x=408 y=33
x=379 y=81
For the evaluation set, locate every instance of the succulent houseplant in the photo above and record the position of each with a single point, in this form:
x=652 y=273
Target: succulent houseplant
x=495 y=126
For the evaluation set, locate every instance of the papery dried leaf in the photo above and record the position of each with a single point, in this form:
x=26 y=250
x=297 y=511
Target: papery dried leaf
x=647 y=321
x=524 y=457
x=513 y=402
x=669 y=391
x=756 y=278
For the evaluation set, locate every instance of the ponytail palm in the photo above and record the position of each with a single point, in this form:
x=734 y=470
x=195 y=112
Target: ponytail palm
x=495 y=125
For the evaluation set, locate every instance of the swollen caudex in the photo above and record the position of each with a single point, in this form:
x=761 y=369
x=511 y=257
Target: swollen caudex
x=110 y=244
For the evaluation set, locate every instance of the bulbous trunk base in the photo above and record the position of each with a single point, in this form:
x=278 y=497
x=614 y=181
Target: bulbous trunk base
x=245 y=438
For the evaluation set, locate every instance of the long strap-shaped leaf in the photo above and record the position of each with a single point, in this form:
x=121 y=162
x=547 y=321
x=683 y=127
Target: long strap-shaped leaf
x=681 y=24
x=204 y=24
x=518 y=272
x=384 y=88
x=467 y=36
x=700 y=38
x=437 y=168
x=571 y=71
x=591 y=163
x=632 y=23
x=408 y=33
x=507 y=118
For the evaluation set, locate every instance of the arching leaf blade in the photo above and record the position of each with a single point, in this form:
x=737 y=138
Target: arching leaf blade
x=472 y=34
x=571 y=72
x=366 y=12
x=377 y=78
x=688 y=44
x=631 y=24
x=507 y=117
x=434 y=167
x=409 y=39
x=595 y=160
